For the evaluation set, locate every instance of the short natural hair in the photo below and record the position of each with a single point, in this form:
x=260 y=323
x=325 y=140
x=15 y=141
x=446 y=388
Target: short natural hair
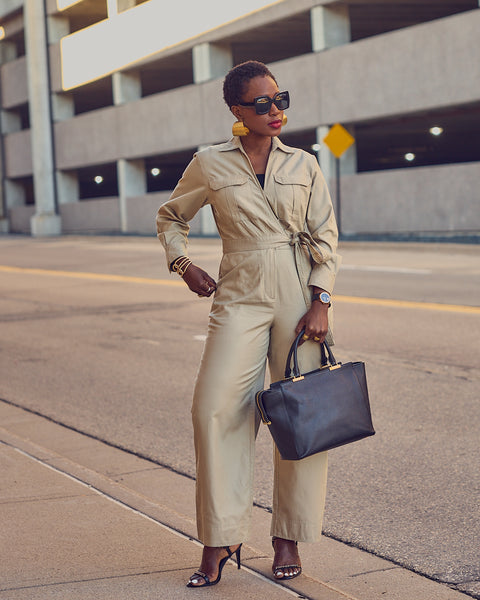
x=236 y=80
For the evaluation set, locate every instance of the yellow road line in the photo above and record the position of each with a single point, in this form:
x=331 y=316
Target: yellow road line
x=94 y=276
x=408 y=304
x=145 y=280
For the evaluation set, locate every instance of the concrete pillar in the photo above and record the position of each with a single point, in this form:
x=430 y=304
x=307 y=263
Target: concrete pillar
x=14 y=194
x=328 y=164
x=210 y=61
x=46 y=220
x=125 y=5
x=68 y=189
x=327 y=161
x=132 y=181
x=10 y=121
x=58 y=26
x=8 y=51
x=112 y=8
x=325 y=158
x=330 y=27
x=63 y=107
x=127 y=87
x=3 y=200
x=207 y=222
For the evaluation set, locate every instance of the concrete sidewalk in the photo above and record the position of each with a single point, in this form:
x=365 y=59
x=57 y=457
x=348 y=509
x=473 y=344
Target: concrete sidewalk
x=82 y=520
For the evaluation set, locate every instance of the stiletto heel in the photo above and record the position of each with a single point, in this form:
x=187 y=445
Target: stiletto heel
x=200 y=574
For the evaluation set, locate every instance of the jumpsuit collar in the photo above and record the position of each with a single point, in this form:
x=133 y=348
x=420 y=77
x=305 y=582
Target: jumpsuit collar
x=235 y=144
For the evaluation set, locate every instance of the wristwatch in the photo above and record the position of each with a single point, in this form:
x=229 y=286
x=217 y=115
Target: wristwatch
x=323 y=297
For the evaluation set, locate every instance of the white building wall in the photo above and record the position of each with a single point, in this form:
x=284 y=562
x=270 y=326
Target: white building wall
x=439 y=199
x=376 y=77
x=429 y=65
x=424 y=67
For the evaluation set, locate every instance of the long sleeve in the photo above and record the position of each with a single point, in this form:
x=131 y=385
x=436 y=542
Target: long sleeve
x=322 y=226
x=186 y=200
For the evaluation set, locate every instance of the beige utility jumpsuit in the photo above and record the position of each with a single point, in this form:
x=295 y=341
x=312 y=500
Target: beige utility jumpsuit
x=277 y=242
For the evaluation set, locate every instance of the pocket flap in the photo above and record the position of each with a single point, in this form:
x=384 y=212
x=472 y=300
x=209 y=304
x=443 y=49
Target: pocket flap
x=217 y=183
x=292 y=179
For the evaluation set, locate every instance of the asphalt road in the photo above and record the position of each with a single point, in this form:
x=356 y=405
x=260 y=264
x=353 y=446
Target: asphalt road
x=97 y=335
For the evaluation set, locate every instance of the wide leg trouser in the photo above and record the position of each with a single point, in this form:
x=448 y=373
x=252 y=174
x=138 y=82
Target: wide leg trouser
x=241 y=337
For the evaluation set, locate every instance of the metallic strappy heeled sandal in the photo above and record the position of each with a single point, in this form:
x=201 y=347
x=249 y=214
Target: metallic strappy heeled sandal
x=201 y=575
x=282 y=568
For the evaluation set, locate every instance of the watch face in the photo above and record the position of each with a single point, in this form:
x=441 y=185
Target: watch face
x=325 y=297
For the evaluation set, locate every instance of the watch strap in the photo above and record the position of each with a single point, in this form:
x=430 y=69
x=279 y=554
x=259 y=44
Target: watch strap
x=317 y=297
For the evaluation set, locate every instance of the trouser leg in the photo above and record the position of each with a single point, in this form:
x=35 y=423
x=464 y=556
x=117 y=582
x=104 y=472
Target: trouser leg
x=299 y=488
x=231 y=371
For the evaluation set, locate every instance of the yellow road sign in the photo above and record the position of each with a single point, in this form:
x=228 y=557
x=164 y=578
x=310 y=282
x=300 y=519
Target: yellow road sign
x=338 y=140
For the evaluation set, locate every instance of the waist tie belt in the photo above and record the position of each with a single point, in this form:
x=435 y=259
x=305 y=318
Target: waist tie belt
x=304 y=246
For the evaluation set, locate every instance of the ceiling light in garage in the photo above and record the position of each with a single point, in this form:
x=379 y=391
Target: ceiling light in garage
x=409 y=156
x=155 y=171
x=436 y=130
x=98 y=179
x=316 y=147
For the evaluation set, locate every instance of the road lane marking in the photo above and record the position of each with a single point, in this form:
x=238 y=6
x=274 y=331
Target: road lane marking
x=457 y=308
x=93 y=276
x=408 y=304
x=374 y=268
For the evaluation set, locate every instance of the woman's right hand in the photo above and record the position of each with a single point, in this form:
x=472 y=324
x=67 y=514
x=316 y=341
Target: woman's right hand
x=199 y=281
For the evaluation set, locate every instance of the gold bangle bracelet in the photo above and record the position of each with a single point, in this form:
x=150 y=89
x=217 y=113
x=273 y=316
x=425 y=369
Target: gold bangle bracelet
x=181 y=265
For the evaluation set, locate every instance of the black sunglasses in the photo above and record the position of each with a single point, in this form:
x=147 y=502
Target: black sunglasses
x=263 y=104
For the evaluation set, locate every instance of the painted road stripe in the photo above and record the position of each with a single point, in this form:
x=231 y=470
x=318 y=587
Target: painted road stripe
x=408 y=304
x=145 y=280
x=378 y=269
x=93 y=276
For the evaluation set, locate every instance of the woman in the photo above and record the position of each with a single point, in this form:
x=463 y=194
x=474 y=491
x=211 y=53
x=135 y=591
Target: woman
x=274 y=215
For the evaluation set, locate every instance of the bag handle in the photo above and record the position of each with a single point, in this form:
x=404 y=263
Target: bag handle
x=325 y=351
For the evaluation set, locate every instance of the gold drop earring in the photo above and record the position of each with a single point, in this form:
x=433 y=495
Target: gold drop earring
x=240 y=129
x=284 y=120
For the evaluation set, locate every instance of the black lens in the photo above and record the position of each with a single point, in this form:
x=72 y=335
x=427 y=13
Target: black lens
x=262 y=105
x=282 y=100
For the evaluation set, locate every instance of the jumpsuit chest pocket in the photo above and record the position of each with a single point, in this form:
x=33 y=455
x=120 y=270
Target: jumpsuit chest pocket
x=230 y=196
x=293 y=193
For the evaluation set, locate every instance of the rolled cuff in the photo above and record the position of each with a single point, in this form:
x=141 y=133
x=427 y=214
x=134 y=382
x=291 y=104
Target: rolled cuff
x=175 y=245
x=323 y=275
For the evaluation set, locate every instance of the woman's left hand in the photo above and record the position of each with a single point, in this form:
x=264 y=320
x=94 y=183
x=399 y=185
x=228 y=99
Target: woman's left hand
x=315 y=323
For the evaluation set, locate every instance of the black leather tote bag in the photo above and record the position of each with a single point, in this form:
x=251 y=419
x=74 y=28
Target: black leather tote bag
x=319 y=410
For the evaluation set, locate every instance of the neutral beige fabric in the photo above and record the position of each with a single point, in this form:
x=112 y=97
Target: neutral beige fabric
x=277 y=242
